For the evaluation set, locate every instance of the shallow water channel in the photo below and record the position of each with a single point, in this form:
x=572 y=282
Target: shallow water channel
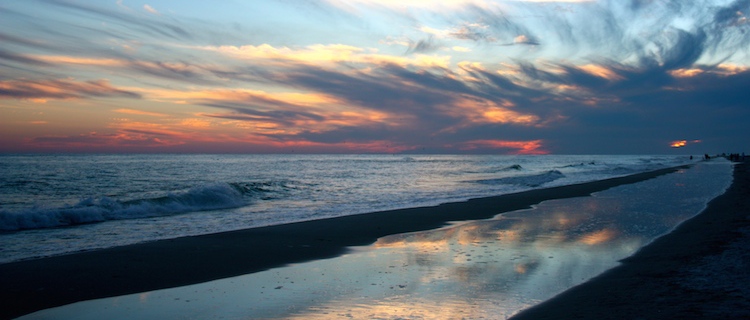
x=481 y=269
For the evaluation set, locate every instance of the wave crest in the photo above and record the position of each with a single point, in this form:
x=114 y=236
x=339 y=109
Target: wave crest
x=91 y=210
x=528 y=180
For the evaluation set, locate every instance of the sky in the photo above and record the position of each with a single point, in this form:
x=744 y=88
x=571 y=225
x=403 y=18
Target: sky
x=369 y=76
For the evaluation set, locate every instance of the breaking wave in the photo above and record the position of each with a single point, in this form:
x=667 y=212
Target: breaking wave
x=535 y=180
x=514 y=167
x=92 y=210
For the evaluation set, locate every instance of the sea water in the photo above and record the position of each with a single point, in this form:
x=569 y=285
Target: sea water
x=484 y=269
x=55 y=204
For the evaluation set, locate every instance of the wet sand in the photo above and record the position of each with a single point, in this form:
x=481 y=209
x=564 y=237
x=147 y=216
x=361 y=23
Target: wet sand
x=701 y=270
x=33 y=285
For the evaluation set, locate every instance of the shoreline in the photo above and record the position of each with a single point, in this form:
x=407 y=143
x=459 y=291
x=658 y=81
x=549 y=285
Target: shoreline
x=699 y=270
x=32 y=285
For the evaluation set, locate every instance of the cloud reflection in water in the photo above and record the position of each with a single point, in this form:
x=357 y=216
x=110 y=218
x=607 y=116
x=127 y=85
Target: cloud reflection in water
x=490 y=268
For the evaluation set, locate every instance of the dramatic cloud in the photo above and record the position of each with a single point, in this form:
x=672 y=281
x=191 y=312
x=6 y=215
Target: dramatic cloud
x=473 y=76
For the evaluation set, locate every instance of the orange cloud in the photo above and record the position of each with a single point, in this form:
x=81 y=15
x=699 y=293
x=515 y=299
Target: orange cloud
x=601 y=72
x=95 y=140
x=521 y=147
x=377 y=146
x=237 y=95
x=332 y=53
x=140 y=112
x=731 y=69
x=678 y=144
x=682 y=143
x=276 y=112
x=478 y=111
x=98 y=62
x=724 y=69
x=686 y=73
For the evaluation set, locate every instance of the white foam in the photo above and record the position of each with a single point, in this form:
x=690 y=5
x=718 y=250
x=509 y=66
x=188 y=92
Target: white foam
x=91 y=210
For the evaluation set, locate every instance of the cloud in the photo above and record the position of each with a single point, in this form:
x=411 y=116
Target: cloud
x=519 y=147
x=12 y=39
x=682 y=143
x=145 y=26
x=61 y=89
x=456 y=101
x=419 y=106
x=523 y=39
x=86 y=61
x=277 y=112
x=472 y=31
x=19 y=58
x=107 y=141
x=140 y=112
x=422 y=46
x=678 y=144
x=397 y=5
x=330 y=55
x=469 y=75
x=181 y=71
x=150 y=9
x=278 y=117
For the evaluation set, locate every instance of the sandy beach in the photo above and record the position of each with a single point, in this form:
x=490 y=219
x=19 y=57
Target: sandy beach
x=43 y=283
x=698 y=271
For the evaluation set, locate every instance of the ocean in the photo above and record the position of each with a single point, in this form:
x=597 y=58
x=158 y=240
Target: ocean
x=56 y=204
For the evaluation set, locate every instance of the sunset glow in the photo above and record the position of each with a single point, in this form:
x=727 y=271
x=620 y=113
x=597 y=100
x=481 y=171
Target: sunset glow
x=679 y=144
x=463 y=76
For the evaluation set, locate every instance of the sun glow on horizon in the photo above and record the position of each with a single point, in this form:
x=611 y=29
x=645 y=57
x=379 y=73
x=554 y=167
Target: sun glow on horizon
x=457 y=76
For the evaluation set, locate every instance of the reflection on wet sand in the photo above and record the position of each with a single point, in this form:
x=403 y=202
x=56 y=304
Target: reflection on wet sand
x=482 y=269
x=494 y=268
